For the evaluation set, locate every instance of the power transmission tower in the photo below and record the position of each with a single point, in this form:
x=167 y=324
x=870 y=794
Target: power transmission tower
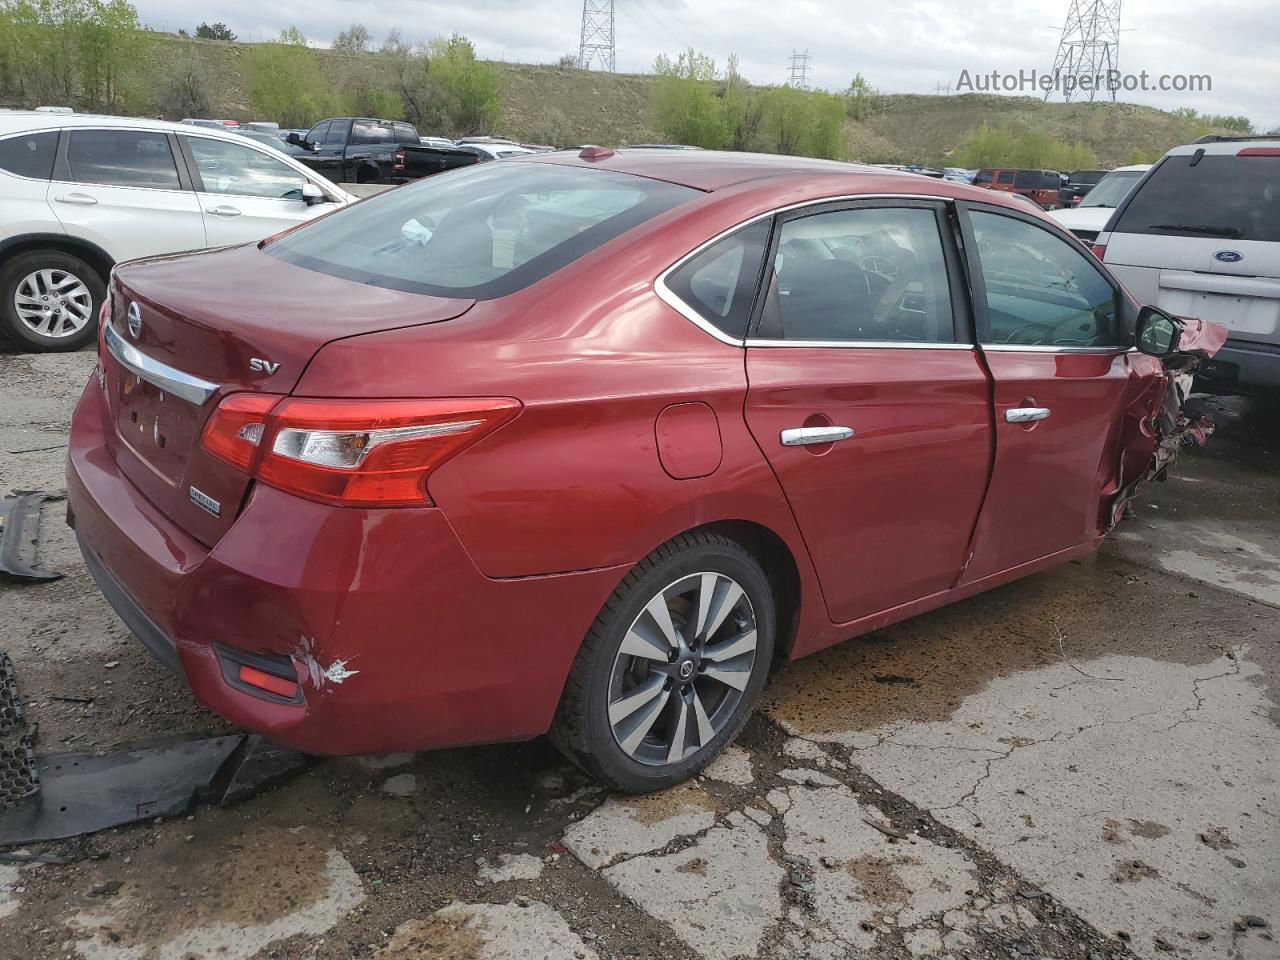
x=799 y=70
x=1090 y=47
x=596 y=49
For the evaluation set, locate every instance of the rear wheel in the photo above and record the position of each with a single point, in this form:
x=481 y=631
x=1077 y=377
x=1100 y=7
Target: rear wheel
x=672 y=667
x=49 y=301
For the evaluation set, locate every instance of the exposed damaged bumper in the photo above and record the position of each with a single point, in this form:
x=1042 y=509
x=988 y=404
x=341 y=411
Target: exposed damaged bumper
x=293 y=624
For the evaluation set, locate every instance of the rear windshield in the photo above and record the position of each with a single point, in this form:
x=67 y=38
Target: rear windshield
x=478 y=233
x=1234 y=198
x=1087 y=176
x=983 y=176
x=1113 y=188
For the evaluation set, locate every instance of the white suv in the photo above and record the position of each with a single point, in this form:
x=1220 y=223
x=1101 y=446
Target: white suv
x=79 y=194
x=1199 y=236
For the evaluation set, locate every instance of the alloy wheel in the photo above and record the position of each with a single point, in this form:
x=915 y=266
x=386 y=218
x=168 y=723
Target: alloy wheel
x=53 y=303
x=682 y=668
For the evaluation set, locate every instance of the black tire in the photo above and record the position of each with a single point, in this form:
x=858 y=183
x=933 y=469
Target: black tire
x=15 y=271
x=582 y=730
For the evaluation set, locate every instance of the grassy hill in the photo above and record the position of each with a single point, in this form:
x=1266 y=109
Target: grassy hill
x=549 y=104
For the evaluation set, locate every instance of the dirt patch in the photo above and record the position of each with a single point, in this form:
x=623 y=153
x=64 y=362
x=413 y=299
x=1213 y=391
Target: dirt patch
x=656 y=807
x=1131 y=871
x=1216 y=838
x=1148 y=829
x=448 y=937
x=878 y=881
x=697 y=865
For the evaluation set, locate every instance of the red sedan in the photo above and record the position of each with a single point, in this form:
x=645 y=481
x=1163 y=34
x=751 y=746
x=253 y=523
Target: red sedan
x=585 y=443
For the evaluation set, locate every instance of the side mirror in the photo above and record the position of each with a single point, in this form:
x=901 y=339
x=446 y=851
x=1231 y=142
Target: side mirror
x=1157 y=333
x=311 y=194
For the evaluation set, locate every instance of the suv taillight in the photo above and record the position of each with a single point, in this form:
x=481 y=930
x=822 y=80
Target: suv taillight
x=1098 y=250
x=397 y=160
x=371 y=453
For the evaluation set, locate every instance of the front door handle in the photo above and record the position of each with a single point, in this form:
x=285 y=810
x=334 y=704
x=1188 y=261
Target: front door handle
x=83 y=199
x=1026 y=414
x=806 y=436
x=223 y=211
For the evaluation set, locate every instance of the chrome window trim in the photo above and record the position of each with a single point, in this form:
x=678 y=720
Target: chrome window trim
x=667 y=296
x=863 y=344
x=1052 y=348
x=167 y=378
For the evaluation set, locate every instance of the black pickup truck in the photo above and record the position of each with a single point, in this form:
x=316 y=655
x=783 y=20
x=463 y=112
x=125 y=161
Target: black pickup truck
x=367 y=150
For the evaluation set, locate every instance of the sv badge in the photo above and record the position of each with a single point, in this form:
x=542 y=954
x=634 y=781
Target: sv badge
x=258 y=365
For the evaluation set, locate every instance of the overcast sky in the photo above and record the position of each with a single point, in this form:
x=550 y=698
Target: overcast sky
x=910 y=46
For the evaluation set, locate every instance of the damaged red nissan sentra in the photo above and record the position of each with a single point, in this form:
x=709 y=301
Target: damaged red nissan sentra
x=585 y=443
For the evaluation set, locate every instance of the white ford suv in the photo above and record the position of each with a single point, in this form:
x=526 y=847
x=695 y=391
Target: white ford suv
x=79 y=194
x=1199 y=236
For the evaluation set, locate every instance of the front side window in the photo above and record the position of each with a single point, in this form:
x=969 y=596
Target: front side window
x=319 y=133
x=875 y=273
x=480 y=232
x=720 y=282
x=241 y=171
x=124 y=158
x=29 y=154
x=1230 y=198
x=1041 y=290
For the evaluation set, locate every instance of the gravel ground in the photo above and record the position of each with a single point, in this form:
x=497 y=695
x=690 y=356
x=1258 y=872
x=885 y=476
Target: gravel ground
x=1080 y=765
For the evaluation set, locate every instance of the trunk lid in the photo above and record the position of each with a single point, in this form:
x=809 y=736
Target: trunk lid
x=188 y=330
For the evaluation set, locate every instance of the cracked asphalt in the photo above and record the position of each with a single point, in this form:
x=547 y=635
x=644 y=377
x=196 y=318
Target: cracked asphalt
x=1079 y=766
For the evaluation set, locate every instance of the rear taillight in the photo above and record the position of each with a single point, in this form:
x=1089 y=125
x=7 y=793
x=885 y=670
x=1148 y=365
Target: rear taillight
x=1098 y=250
x=373 y=453
x=234 y=432
x=1259 y=152
x=397 y=161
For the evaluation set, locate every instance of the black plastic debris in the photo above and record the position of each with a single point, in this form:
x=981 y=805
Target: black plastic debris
x=19 y=534
x=19 y=786
x=81 y=793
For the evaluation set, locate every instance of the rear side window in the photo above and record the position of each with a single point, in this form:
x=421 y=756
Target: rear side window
x=1005 y=178
x=366 y=131
x=481 y=232
x=1231 y=198
x=871 y=274
x=1030 y=180
x=29 y=155
x=123 y=158
x=720 y=282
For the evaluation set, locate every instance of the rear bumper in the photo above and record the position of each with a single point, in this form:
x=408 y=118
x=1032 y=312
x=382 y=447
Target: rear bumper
x=1241 y=367
x=430 y=652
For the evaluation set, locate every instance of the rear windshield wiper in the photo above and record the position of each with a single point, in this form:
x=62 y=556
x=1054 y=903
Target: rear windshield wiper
x=1205 y=228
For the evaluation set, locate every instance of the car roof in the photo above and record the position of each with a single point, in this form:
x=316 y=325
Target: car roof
x=711 y=170
x=1225 y=147
x=23 y=121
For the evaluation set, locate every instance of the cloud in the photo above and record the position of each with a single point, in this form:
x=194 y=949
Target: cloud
x=911 y=46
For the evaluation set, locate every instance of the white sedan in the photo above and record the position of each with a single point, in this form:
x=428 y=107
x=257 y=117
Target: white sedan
x=79 y=194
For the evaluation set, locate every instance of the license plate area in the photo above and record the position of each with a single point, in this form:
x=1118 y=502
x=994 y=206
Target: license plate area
x=158 y=427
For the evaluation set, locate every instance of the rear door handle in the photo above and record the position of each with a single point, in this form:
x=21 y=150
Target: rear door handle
x=805 y=436
x=1026 y=414
x=83 y=199
x=223 y=211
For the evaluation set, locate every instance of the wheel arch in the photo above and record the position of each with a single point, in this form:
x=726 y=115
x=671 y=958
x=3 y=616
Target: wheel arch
x=91 y=253
x=780 y=567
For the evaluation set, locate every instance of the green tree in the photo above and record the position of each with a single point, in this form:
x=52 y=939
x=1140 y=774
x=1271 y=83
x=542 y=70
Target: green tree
x=354 y=39
x=215 y=31
x=464 y=93
x=741 y=108
x=112 y=42
x=859 y=95
x=685 y=106
x=184 y=89
x=284 y=80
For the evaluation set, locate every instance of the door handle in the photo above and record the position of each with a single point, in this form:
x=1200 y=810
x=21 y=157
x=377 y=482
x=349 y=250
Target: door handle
x=1026 y=414
x=806 y=436
x=83 y=199
x=223 y=211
